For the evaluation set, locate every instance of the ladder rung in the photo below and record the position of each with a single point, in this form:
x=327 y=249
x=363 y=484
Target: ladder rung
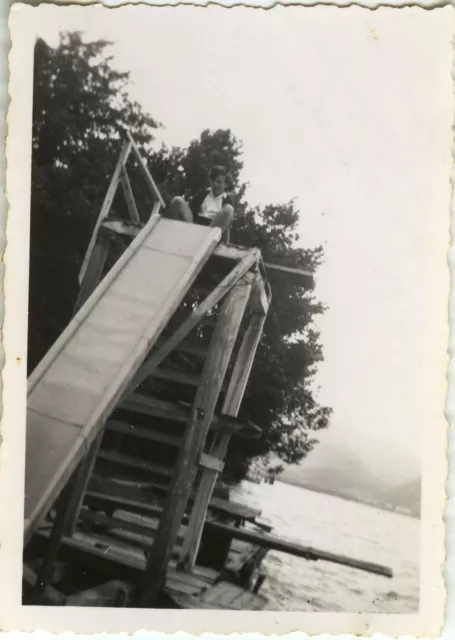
x=142 y=432
x=176 y=376
x=136 y=529
x=188 y=347
x=154 y=407
x=135 y=463
x=179 y=413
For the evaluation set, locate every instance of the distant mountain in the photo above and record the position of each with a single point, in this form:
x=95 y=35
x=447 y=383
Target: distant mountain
x=344 y=473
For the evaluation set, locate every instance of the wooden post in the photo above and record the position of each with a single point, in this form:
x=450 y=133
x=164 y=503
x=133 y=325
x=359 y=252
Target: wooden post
x=95 y=268
x=108 y=200
x=79 y=486
x=231 y=405
x=44 y=577
x=201 y=416
x=129 y=197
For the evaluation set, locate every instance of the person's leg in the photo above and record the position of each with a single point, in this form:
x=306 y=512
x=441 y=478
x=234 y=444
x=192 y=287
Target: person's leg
x=179 y=210
x=223 y=220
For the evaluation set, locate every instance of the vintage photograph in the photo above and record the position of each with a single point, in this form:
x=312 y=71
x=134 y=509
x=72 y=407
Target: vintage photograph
x=237 y=308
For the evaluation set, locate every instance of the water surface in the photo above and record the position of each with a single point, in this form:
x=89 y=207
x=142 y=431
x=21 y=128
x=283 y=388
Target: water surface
x=343 y=527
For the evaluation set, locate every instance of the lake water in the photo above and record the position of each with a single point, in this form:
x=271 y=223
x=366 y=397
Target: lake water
x=340 y=526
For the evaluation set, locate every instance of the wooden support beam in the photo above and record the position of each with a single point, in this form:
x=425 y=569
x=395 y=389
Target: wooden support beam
x=80 y=484
x=46 y=570
x=232 y=401
x=135 y=463
x=210 y=462
x=129 y=197
x=173 y=375
x=296 y=549
x=107 y=204
x=233 y=278
x=143 y=432
x=95 y=266
x=157 y=408
x=202 y=412
x=146 y=173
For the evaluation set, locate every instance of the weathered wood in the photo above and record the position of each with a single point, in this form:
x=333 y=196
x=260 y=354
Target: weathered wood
x=173 y=375
x=79 y=382
x=135 y=462
x=210 y=462
x=129 y=197
x=146 y=173
x=143 y=432
x=232 y=401
x=220 y=505
x=195 y=318
x=157 y=408
x=215 y=367
x=276 y=274
x=106 y=207
x=222 y=596
x=46 y=569
x=95 y=268
x=82 y=478
x=299 y=550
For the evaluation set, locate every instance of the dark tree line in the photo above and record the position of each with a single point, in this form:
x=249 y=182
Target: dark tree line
x=81 y=108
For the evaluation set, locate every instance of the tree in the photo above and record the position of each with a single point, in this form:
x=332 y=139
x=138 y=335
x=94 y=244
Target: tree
x=81 y=107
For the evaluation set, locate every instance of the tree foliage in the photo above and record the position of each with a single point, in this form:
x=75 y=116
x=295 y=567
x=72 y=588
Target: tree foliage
x=81 y=108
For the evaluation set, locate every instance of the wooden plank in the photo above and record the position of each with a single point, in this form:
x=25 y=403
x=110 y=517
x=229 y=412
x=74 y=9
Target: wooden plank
x=279 y=275
x=95 y=267
x=57 y=392
x=143 y=432
x=129 y=197
x=276 y=274
x=173 y=375
x=209 y=462
x=46 y=570
x=134 y=462
x=146 y=173
x=231 y=405
x=198 y=314
x=106 y=207
x=296 y=549
x=180 y=413
x=202 y=413
x=216 y=504
x=80 y=484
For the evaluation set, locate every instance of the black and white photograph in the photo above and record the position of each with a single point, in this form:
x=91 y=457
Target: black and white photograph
x=229 y=371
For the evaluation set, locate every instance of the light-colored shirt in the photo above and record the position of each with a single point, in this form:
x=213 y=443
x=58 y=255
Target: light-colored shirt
x=211 y=205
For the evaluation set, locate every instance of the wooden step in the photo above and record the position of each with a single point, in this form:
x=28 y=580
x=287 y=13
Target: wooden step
x=143 y=432
x=135 y=463
x=131 y=526
x=151 y=406
x=233 y=509
x=186 y=347
x=172 y=375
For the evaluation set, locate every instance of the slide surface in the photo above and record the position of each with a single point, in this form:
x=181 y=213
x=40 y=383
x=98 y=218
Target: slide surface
x=79 y=382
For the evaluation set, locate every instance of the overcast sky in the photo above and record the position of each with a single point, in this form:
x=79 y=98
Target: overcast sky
x=349 y=111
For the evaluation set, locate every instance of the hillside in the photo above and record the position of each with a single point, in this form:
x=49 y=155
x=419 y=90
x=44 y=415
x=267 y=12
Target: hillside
x=345 y=474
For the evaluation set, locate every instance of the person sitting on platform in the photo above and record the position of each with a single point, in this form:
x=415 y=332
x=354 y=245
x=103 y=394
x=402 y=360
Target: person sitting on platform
x=211 y=207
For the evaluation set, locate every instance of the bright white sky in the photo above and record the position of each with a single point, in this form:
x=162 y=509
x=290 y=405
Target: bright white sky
x=349 y=111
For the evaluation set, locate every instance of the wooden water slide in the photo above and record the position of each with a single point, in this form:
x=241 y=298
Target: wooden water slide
x=78 y=383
